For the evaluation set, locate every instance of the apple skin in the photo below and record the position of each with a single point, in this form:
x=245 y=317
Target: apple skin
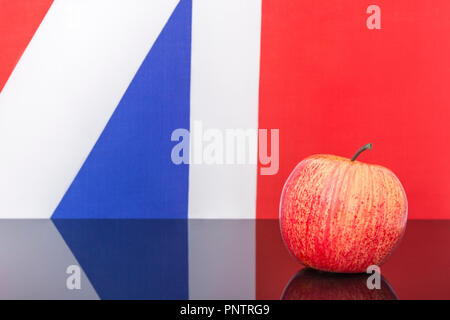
x=340 y=215
x=309 y=284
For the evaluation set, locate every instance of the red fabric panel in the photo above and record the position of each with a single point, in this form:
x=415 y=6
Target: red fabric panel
x=19 y=20
x=332 y=85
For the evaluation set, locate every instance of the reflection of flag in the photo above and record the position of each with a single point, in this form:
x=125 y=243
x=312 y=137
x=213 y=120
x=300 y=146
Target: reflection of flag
x=181 y=259
x=92 y=90
x=128 y=259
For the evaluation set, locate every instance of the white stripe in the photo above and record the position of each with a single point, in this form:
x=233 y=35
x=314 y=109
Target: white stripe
x=224 y=94
x=222 y=259
x=34 y=262
x=64 y=90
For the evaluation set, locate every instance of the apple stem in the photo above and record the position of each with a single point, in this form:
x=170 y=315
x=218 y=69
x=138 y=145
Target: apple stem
x=363 y=148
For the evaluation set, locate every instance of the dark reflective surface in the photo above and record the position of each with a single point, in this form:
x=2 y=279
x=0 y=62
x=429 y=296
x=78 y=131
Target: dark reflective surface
x=418 y=269
x=309 y=284
x=201 y=259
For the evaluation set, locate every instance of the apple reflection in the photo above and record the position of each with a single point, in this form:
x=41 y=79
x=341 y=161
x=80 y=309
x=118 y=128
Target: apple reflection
x=310 y=284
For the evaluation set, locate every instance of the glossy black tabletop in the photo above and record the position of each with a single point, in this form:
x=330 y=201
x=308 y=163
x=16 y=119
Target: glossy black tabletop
x=200 y=259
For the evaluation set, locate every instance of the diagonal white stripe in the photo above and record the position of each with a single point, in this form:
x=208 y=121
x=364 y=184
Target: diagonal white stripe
x=224 y=95
x=64 y=90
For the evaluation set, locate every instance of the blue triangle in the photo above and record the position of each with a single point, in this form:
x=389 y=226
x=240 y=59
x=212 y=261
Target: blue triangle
x=129 y=172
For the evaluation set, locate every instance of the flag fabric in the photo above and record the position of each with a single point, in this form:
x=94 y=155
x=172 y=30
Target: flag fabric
x=93 y=91
x=88 y=111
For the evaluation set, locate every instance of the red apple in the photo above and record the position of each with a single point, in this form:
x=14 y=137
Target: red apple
x=309 y=284
x=342 y=215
